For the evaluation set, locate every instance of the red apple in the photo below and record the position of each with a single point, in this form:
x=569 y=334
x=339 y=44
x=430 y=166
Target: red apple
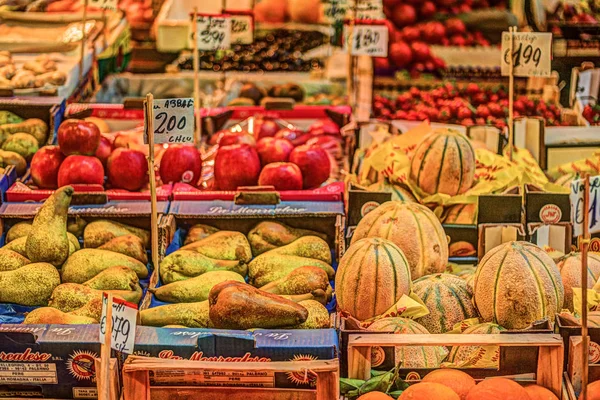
x=281 y=175
x=331 y=144
x=236 y=165
x=80 y=170
x=78 y=137
x=127 y=169
x=420 y=51
x=266 y=128
x=294 y=135
x=237 y=137
x=314 y=163
x=104 y=149
x=44 y=167
x=180 y=163
x=324 y=127
x=272 y=150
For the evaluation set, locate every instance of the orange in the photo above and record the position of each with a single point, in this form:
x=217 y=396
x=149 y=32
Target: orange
x=593 y=391
x=539 y=393
x=428 y=390
x=375 y=396
x=460 y=382
x=498 y=389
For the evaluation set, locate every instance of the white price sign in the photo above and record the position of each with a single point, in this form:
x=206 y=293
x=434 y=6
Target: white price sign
x=214 y=32
x=531 y=54
x=242 y=29
x=173 y=121
x=109 y=4
x=577 y=210
x=124 y=319
x=371 y=9
x=368 y=40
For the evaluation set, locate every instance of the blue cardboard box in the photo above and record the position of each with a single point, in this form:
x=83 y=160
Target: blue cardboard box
x=235 y=346
x=51 y=361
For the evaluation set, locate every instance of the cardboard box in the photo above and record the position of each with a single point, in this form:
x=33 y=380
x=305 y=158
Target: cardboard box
x=48 y=109
x=548 y=219
x=360 y=203
x=235 y=346
x=6 y=180
x=49 y=361
x=568 y=329
x=462 y=233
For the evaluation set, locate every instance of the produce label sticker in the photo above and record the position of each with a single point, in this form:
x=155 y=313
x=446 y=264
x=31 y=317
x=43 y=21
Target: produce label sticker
x=124 y=319
x=28 y=373
x=577 y=210
x=367 y=40
x=214 y=32
x=531 y=56
x=173 y=121
x=208 y=377
x=242 y=29
x=108 y=4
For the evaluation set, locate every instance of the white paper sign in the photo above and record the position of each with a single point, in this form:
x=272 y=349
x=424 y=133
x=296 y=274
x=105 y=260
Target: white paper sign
x=335 y=10
x=588 y=86
x=577 y=211
x=214 y=32
x=242 y=29
x=531 y=54
x=368 y=40
x=370 y=9
x=108 y=4
x=173 y=121
x=124 y=319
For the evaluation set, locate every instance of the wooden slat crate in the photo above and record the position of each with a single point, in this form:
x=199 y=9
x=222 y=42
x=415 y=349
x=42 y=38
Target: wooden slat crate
x=549 y=372
x=136 y=380
x=573 y=373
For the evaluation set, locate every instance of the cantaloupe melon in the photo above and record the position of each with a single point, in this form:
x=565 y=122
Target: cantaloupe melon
x=498 y=389
x=372 y=276
x=429 y=391
x=399 y=193
x=470 y=356
x=448 y=299
x=414 y=229
x=460 y=382
x=444 y=162
x=461 y=214
x=536 y=392
x=410 y=356
x=516 y=284
x=570 y=272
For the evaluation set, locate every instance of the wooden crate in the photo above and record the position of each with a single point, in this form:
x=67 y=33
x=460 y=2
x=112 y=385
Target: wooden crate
x=549 y=363
x=136 y=380
x=573 y=373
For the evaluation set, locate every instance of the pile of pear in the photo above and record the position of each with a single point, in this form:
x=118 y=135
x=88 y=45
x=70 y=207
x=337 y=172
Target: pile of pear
x=42 y=264
x=287 y=271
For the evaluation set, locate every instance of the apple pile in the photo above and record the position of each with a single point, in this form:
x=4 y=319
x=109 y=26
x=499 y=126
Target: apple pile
x=465 y=105
x=286 y=158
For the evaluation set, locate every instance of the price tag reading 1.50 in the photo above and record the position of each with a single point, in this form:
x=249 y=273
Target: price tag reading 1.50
x=531 y=54
x=214 y=33
x=174 y=121
x=369 y=40
x=124 y=318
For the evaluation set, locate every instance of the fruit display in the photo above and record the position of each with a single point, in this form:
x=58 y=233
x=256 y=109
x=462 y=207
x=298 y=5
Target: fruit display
x=591 y=113
x=466 y=105
x=40 y=72
x=253 y=94
x=202 y=284
x=44 y=265
x=570 y=272
x=276 y=11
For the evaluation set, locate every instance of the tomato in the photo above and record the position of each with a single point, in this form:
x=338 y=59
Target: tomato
x=464 y=113
x=483 y=111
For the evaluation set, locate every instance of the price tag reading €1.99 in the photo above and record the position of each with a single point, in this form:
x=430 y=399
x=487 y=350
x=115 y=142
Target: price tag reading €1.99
x=214 y=32
x=531 y=54
x=368 y=40
x=173 y=121
x=108 y=4
x=124 y=318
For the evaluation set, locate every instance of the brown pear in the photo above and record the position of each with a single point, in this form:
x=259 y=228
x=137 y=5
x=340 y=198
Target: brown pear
x=130 y=245
x=199 y=232
x=268 y=235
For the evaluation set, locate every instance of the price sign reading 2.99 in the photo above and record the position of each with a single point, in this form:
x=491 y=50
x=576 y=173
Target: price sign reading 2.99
x=174 y=121
x=214 y=32
x=368 y=40
x=531 y=54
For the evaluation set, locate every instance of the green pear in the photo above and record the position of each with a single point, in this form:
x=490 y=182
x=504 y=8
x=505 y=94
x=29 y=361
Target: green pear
x=85 y=264
x=199 y=232
x=194 y=289
x=18 y=246
x=98 y=232
x=50 y=315
x=91 y=309
x=73 y=239
x=71 y=296
x=306 y=246
x=300 y=281
x=184 y=264
x=268 y=235
x=223 y=245
x=47 y=241
x=130 y=245
x=31 y=285
x=76 y=226
x=191 y=315
x=318 y=316
x=18 y=230
x=118 y=277
x=265 y=269
x=11 y=260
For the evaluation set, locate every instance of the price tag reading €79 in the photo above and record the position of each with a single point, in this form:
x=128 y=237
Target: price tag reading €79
x=124 y=319
x=214 y=32
x=531 y=54
x=108 y=4
x=368 y=40
x=173 y=121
